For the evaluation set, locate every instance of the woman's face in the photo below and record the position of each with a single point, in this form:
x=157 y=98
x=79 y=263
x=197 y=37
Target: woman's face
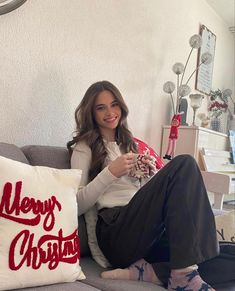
x=107 y=113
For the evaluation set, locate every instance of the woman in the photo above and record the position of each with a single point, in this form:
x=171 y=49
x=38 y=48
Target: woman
x=168 y=219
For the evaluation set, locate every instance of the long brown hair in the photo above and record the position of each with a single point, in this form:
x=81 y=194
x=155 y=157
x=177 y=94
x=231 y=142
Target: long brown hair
x=87 y=130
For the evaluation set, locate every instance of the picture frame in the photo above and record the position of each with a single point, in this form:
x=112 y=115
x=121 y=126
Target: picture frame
x=205 y=72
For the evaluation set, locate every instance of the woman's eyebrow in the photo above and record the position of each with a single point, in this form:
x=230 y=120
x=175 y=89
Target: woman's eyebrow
x=100 y=104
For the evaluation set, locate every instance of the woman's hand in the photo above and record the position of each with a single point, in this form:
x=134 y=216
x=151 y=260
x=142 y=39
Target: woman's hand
x=122 y=165
x=150 y=161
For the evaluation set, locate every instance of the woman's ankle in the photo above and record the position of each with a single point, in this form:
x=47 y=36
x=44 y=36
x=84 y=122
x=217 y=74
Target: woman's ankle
x=189 y=280
x=139 y=271
x=143 y=271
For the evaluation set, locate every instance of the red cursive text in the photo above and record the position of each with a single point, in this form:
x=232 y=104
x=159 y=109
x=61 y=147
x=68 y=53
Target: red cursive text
x=12 y=209
x=50 y=249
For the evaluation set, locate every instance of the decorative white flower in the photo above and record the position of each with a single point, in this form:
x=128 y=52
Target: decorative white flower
x=178 y=68
x=227 y=93
x=206 y=58
x=184 y=90
x=169 y=87
x=195 y=41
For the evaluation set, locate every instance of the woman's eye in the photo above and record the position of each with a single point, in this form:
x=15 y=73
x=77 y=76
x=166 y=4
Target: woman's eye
x=115 y=104
x=99 y=108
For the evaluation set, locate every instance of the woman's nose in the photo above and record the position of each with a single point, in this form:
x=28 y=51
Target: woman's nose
x=109 y=110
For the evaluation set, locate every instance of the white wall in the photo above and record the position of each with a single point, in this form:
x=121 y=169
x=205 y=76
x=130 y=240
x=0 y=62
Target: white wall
x=52 y=51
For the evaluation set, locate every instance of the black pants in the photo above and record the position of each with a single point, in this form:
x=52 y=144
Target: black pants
x=168 y=219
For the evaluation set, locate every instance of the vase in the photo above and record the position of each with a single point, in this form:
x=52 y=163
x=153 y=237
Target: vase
x=215 y=124
x=183 y=107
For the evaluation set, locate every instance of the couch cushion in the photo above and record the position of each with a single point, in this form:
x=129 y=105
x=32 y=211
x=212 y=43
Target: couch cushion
x=11 y=151
x=50 y=156
x=92 y=271
x=229 y=286
x=74 y=286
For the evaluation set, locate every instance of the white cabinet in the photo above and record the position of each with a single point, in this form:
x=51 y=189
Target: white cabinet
x=192 y=138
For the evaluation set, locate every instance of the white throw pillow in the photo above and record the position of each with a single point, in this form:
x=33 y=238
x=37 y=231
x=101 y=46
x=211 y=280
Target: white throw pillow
x=39 y=241
x=91 y=217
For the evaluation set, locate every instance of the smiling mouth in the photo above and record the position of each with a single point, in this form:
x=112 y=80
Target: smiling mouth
x=110 y=120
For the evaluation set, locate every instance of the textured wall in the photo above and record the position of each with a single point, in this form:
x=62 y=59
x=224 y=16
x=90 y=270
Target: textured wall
x=52 y=50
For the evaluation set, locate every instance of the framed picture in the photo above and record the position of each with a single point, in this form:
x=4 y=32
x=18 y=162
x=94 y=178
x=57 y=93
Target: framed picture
x=205 y=72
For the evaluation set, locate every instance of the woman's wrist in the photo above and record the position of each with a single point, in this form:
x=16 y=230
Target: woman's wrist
x=112 y=171
x=111 y=176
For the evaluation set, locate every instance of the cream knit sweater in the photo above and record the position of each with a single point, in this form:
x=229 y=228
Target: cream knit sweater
x=105 y=189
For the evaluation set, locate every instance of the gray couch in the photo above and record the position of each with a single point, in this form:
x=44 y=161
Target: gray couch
x=58 y=157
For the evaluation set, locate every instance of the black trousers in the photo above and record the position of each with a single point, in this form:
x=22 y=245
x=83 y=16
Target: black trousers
x=168 y=220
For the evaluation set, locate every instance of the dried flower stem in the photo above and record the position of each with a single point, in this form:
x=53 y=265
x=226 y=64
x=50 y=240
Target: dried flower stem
x=193 y=72
x=181 y=81
x=186 y=65
x=178 y=82
x=173 y=105
x=177 y=97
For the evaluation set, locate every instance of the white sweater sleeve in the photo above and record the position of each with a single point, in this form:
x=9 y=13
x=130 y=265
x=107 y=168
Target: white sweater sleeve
x=89 y=193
